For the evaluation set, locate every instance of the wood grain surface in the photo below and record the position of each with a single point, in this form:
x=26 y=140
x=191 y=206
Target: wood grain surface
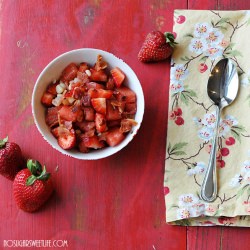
x=113 y=203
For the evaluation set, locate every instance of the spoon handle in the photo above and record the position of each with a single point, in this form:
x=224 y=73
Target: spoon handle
x=209 y=185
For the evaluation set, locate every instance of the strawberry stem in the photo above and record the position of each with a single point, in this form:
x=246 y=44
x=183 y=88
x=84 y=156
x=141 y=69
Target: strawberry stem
x=170 y=39
x=3 y=142
x=37 y=172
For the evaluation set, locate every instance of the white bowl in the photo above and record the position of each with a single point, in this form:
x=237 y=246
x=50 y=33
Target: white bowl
x=53 y=71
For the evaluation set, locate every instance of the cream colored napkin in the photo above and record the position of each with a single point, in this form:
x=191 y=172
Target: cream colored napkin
x=203 y=38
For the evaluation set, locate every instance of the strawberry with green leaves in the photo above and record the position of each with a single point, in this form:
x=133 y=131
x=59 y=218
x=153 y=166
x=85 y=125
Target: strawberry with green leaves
x=11 y=159
x=157 y=47
x=32 y=186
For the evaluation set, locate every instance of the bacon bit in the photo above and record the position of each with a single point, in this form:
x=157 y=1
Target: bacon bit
x=100 y=64
x=118 y=104
x=127 y=124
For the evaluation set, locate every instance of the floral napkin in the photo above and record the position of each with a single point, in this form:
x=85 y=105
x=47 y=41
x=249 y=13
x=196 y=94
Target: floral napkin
x=203 y=38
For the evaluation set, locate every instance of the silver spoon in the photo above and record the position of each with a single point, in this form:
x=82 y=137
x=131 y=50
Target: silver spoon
x=222 y=89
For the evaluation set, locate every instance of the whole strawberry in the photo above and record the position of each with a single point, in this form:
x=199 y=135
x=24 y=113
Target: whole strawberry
x=11 y=159
x=32 y=187
x=157 y=47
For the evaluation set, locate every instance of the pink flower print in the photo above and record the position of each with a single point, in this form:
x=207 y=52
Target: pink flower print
x=214 y=36
x=185 y=213
x=201 y=29
x=198 y=45
x=214 y=51
x=178 y=72
x=210 y=209
x=187 y=200
x=224 y=43
x=176 y=87
x=206 y=133
x=246 y=167
x=209 y=120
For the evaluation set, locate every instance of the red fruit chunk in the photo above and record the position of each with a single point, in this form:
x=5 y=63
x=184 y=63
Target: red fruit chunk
x=67 y=139
x=112 y=112
x=114 y=137
x=85 y=125
x=47 y=99
x=81 y=146
x=118 y=76
x=100 y=93
x=69 y=73
x=83 y=67
x=52 y=88
x=100 y=123
x=71 y=113
x=110 y=84
x=99 y=104
x=224 y=151
x=51 y=117
x=230 y=141
x=94 y=85
x=93 y=142
x=98 y=76
x=130 y=108
x=89 y=114
x=114 y=123
x=125 y=94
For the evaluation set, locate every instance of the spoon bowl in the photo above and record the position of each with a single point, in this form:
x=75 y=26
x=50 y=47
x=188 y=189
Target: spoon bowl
x=222 y=89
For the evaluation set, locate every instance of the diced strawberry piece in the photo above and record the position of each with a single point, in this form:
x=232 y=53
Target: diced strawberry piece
x=98 y=76
x=110 y=84
x=93 y=142
x=69 y=73
x=100 y=93
x=81 y=146
x=94 y=85
x=125 y=94
x=114 y=137
x=99 y=104
x=82 y=67
x=114 y=123
x=47 y=99
x=118 y=76
x=82 y=76
x=52 y=88
x=56 y=131
x=71 y=113
x=100 y=123
x=127 y=124
x=89 y=114
x=78 y=92
x=51 y=117
x=67 y=139
x=113 y=112
x=130 y=108
x=85 y=125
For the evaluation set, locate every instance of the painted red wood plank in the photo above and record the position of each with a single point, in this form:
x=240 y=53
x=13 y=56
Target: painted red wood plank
x=114 y=203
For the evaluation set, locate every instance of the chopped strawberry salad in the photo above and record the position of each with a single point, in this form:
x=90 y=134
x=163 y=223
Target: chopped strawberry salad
x=89 y=107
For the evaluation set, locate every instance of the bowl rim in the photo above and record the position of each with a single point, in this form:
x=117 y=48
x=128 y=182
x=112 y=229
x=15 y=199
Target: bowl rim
x=100 y=153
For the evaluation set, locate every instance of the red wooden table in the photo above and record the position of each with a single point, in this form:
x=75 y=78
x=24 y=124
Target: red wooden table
x=113 y=203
